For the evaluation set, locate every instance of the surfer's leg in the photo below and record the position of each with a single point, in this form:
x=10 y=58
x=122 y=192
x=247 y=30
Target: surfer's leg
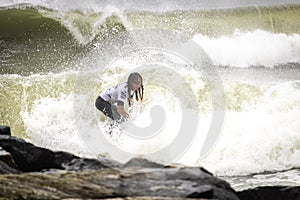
x=104 y=107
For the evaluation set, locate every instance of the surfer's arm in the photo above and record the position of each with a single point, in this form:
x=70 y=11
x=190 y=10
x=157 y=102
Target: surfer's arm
x=121 y=111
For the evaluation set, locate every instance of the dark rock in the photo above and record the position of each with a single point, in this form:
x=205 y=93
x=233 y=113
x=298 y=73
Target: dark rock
x=71 y=162
x=142 y=163
x=270 y=193
x=6 y=169
x=28 y=157
x=6 y=158
x=208 y=194
x=62 y=157
x=4 y=130
x=84 y=164
x=110 y=163
x=195 y=180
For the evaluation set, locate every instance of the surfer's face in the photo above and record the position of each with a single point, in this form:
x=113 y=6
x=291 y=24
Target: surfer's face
x=136 y=84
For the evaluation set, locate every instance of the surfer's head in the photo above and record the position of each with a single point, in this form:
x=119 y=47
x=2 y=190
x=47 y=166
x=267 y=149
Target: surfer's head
x=135 y=83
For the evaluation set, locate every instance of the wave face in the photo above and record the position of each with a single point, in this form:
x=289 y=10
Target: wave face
x=86 y=23
x=54 y=55
x=37 y=38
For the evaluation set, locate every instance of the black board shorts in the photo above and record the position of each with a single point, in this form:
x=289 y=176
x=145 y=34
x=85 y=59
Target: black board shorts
x=107 y=109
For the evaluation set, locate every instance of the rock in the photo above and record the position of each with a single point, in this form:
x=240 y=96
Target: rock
x=71 y=162
x=62 y=157
x=164 y=183
x=6 y=158
x=110 y=163
x=142 y=163
x=6 y=169
x=197 y=183
x=271 y=193
x=57 y=185
x=28 y=157
x=80 y=164
x=4 y=130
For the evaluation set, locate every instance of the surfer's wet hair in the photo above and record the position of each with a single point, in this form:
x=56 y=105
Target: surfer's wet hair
x=138 y=79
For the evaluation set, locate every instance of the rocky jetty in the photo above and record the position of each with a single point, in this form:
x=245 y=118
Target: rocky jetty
x=31 y=172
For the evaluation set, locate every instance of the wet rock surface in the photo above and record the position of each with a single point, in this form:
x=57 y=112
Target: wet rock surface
x=28 y=157
x=31 y=172
x=111 y=183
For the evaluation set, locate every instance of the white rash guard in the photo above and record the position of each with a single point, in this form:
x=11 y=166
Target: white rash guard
x=117 y=94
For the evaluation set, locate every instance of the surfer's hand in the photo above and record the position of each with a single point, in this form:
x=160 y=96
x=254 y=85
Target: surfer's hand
x=122 y=112
x=125 y=115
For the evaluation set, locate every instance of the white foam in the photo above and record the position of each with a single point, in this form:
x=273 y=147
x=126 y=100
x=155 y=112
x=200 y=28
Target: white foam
x=256 y=48
x=254 y=142
x=51 y=124
x=264 y=137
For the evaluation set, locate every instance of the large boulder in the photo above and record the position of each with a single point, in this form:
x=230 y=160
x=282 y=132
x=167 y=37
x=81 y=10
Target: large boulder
x=185 y=182
x=111 y=183
x=28 y=157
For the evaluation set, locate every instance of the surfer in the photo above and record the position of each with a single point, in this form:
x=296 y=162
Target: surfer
x=111 y=102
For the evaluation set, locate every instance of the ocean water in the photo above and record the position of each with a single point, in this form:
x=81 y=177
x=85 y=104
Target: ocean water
x=222 y=82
